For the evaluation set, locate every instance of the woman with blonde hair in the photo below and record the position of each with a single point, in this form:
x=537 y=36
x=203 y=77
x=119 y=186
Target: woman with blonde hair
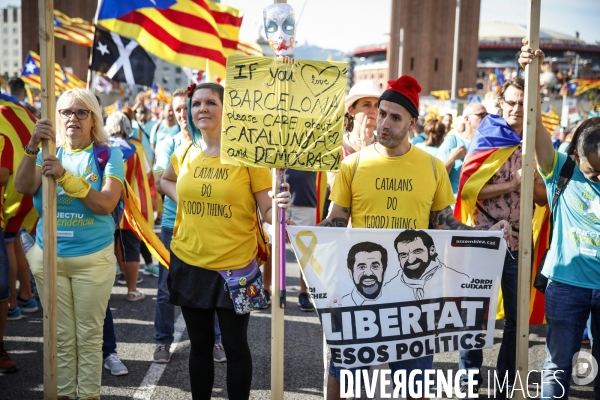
x=89 y=177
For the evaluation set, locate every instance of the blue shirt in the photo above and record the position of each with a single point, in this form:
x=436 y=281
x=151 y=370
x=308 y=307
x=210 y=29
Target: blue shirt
x=143 y=134
x=573 y=257
x=451 y=142
x=161 y=131
x=164 y=150
x=419 y=138
x=430 y=149
x=562 y=148
x=79 y=230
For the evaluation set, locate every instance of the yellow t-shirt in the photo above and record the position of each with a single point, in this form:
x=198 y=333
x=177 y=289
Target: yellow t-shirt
x=392 y=192
x=216 y=210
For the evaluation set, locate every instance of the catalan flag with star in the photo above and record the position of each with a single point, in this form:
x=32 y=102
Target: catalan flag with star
x=182 y=32
x=16 y=127
x=31 y=74
x=76 y=30
x=579 y=86
x=493 y=143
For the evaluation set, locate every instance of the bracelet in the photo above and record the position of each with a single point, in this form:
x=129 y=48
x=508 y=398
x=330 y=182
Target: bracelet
x=29 y=152
x=33 y=156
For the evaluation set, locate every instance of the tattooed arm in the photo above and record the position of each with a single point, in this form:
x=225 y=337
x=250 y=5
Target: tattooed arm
x=338 y=217
x=444 y=219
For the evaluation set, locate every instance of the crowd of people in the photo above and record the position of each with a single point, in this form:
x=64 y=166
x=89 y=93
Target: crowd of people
x=159 y=160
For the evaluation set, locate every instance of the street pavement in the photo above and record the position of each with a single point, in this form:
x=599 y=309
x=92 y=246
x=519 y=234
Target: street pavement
x=303 y=366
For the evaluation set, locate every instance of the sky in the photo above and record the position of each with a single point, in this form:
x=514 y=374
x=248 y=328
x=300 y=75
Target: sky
x=347 y=24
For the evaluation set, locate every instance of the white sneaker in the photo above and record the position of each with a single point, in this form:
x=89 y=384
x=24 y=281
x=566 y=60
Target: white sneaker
x=114 y=364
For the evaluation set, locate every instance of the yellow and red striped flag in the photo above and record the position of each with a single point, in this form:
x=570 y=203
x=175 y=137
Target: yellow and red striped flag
x=182 y=32
x=158 y=93
x=73 y=81
x=31 y=74
x=249 y=49
x=76 y=30
x=550 y=119
x=579 y=86
x=16 y=125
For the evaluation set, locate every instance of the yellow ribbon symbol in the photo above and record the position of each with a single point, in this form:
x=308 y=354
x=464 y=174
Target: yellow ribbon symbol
x=307 y=252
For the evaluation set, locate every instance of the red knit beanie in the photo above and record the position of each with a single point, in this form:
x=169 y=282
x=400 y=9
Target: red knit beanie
x=404 y=91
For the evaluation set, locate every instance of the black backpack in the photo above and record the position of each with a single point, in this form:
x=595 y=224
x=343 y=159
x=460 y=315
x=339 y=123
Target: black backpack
x=566 y=172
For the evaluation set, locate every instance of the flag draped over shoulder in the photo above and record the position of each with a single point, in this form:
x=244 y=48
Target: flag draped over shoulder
x=16 y=126
x=75 y=30
x=493 y=143
x=31 y=74
x=138 y=173
x=140 y=226
x=182 y=32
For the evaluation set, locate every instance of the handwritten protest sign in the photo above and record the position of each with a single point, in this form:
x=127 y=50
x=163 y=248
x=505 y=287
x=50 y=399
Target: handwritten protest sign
x=387 y=295
x=279 y=115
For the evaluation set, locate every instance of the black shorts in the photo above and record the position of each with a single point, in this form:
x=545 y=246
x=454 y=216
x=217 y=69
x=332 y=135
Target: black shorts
x=131 y=243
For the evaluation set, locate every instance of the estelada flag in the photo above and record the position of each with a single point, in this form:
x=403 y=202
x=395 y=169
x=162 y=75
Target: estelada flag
x=579 y=86
x=493 y=143
x=73 y=81
x=182 y=32
x=550 y=120
x=31 y=74
x=76 y=30
x=16 y=127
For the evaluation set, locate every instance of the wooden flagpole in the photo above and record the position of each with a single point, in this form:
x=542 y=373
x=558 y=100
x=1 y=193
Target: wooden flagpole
x=46 y=32
x=277 y=312
x=525 y=230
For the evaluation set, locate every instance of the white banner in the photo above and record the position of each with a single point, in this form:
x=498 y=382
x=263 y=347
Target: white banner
x=386 y=295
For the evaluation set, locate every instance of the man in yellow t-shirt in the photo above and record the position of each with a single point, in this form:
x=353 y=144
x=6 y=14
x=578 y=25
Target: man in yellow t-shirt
x=393 y=185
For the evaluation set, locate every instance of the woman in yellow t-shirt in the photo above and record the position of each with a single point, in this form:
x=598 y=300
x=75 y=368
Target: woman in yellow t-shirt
x=214 y=231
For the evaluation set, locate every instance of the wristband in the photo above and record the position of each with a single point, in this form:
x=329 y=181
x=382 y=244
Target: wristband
x=34 y=156
x=31 y=153
x=74 y=186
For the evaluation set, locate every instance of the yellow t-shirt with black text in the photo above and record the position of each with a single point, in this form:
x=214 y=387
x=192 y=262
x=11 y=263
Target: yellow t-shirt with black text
x=216 y=210
x=392 y=192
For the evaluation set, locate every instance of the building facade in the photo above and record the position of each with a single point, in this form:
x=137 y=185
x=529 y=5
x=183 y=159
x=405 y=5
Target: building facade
x=10 y=42
x=428 y=46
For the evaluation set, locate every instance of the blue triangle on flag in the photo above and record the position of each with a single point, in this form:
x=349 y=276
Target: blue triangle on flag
x=573 y=87
x=30 y=67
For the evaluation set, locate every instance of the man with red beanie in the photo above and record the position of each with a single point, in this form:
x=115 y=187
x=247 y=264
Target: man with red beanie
x=393 y=168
